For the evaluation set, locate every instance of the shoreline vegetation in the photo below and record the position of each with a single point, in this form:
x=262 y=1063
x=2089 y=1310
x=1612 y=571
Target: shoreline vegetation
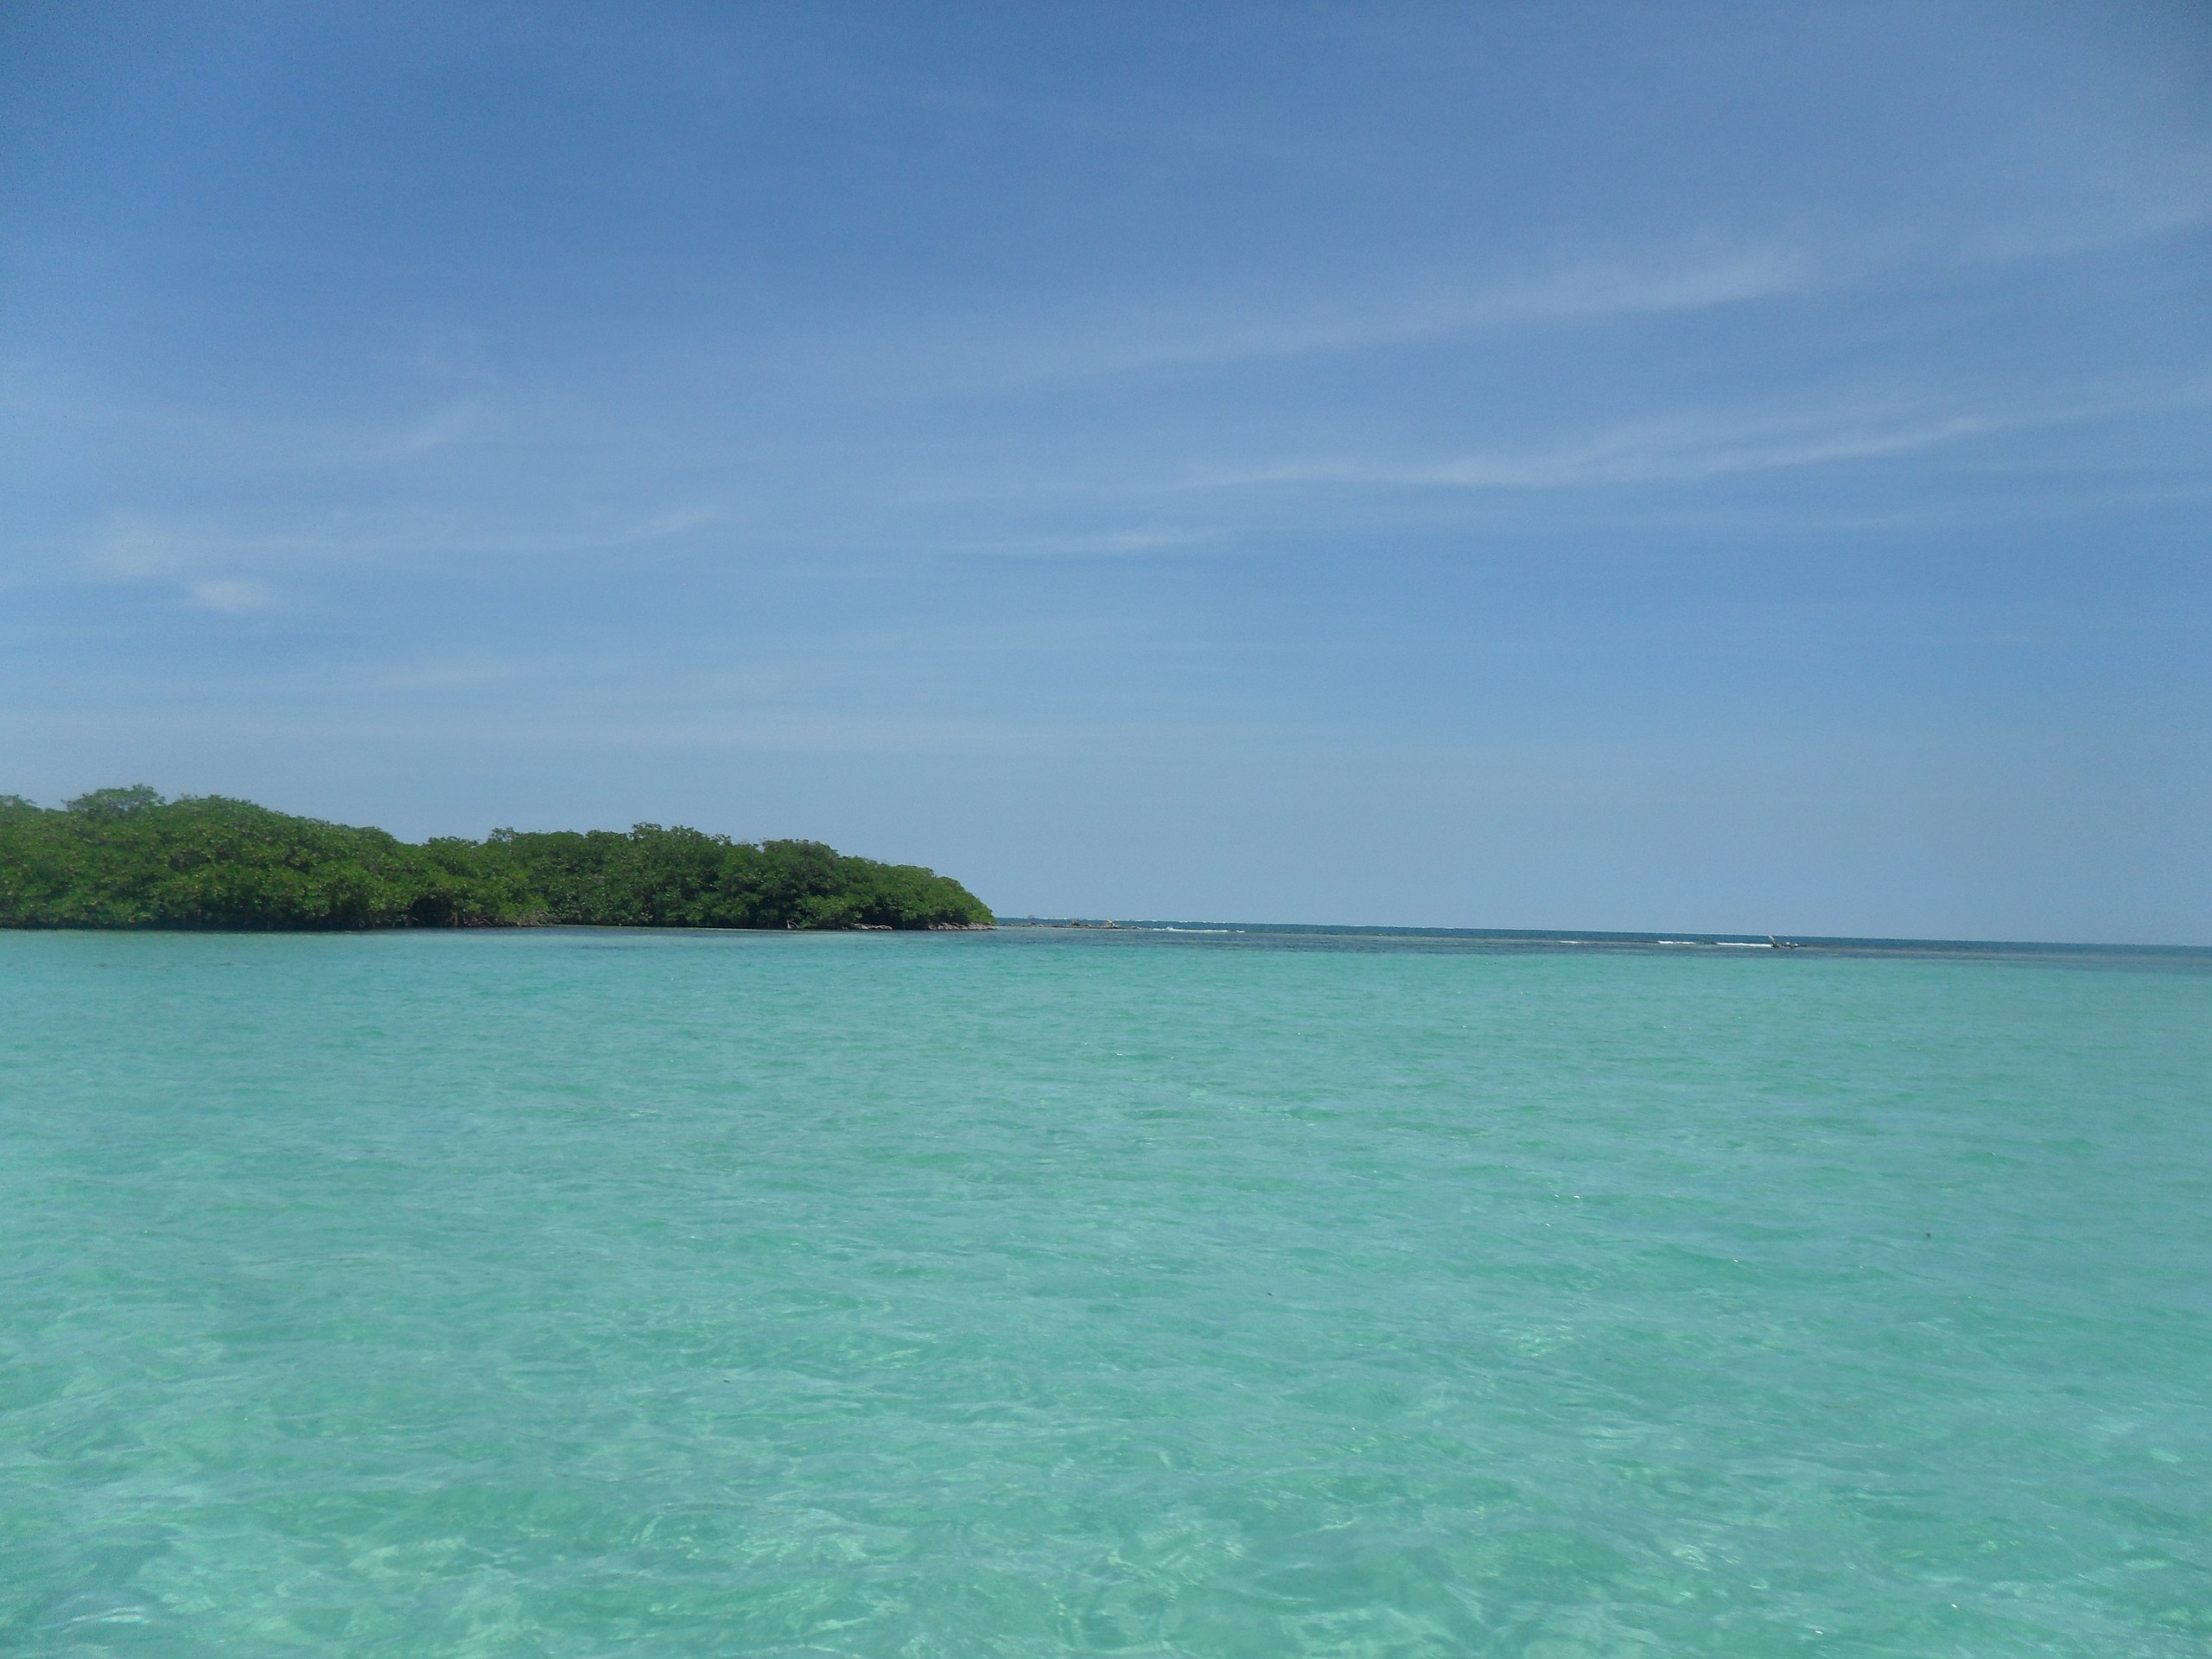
x=129 y=859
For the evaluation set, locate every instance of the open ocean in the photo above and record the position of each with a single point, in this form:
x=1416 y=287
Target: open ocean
x=1143 y=1293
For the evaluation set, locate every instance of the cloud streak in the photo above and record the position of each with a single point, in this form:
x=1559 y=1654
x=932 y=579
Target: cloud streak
x=134 y=548
x=232 y=596
x=1692 y=446
x=1221 y=332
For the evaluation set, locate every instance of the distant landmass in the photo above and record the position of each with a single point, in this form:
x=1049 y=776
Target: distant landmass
x=127 y=858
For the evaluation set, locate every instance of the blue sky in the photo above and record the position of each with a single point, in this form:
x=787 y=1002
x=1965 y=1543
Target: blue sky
x=1718 y=466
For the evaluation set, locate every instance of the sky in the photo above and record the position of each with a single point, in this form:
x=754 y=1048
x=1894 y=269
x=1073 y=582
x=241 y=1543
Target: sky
x=1700 y=467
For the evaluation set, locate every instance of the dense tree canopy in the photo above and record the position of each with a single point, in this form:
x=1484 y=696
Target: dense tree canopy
x=128 y=858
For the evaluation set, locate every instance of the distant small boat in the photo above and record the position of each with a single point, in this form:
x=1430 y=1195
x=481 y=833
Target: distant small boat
x=1781 y=944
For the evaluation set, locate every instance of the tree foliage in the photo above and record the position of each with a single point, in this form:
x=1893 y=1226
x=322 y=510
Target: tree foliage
x=126 y=858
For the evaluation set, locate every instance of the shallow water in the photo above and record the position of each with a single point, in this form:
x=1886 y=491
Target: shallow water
x=568 y=1293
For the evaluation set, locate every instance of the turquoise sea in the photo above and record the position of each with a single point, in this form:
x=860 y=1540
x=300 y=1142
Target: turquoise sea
x=1057 y=1291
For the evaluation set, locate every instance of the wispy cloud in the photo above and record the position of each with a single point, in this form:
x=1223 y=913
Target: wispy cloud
x=1695 y=445
x=736 y=731
x=439 y=430
x=1075 y=544
x=232 y=596
x=956 y=357
x=153 y=548
x=981 y=356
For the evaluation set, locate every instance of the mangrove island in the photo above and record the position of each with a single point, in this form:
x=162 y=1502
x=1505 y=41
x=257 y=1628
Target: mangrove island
x=127 y=858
